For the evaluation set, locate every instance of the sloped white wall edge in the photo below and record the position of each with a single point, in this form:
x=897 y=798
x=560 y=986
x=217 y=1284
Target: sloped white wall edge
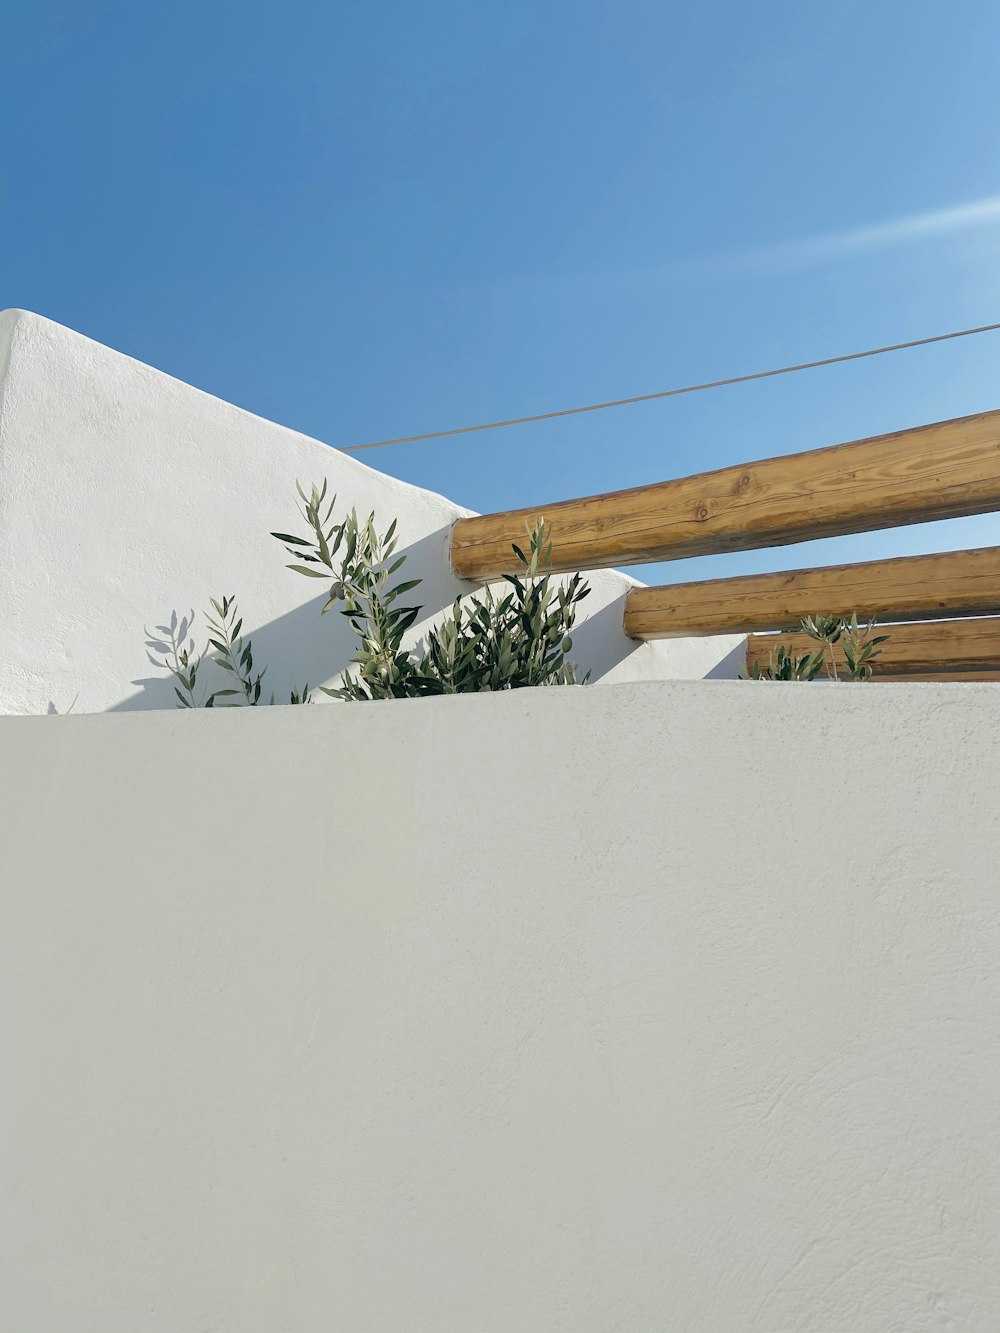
x=126 y=495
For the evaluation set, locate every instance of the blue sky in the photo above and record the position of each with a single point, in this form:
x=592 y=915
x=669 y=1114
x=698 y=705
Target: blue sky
x=365 y=220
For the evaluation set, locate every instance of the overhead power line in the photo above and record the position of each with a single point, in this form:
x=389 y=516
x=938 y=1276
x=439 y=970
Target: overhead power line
x=667 y=393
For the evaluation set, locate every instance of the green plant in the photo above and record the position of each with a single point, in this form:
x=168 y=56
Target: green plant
x=856 y=641
x=860 y=647
x=517 y=640
x=486 y=643
x=784 y=665
x=360 y=580
x=233 y=654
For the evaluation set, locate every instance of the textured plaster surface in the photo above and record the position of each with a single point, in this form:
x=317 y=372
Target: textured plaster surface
x=657 y=1007
x=126 y=495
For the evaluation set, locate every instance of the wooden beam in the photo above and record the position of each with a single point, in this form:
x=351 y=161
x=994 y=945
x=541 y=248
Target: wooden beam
x=922 y=587
x=940 y=471
x=915 y=649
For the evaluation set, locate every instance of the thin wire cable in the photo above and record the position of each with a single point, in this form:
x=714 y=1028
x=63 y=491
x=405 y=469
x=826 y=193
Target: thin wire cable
x=668 y=393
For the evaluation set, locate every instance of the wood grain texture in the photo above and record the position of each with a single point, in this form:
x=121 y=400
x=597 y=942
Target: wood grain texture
x=924 y=648
x=923 y=587
x=944 y=470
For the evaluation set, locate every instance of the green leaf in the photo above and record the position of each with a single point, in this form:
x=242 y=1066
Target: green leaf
x=309 y=573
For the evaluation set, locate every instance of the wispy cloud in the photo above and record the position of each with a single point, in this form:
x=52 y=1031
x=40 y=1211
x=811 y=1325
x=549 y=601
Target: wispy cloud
x=794 y=256
x=816 y=251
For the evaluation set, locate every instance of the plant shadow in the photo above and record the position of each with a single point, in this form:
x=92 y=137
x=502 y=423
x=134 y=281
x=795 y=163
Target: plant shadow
x=303 y=646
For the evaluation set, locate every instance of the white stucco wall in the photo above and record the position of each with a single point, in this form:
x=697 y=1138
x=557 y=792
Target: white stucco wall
x=662 y=1006
x=125 y=495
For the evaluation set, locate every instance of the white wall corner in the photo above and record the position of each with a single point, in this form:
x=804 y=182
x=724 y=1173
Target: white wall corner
x=127 y=495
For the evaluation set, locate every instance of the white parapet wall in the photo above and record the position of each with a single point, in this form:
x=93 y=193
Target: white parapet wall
x=126 y=495
x=663 y=1007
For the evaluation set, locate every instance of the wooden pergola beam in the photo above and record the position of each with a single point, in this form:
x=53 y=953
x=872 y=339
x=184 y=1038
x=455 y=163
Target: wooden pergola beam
x=945 y=647
x=922 y=587
x=939 y=471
